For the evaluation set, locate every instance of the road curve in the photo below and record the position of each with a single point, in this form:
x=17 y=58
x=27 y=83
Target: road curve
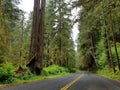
x=78 y=81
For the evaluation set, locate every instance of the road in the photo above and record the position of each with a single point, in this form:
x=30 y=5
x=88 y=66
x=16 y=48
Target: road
x=78 y=81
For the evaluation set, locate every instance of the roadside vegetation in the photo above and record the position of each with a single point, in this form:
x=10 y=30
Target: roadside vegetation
x=109 y=74
x=99 y=41
x=9 y=74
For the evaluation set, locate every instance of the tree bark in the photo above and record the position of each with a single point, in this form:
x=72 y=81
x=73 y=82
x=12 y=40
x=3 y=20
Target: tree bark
x=92 y=54
x=107 y=48
x=36 y=47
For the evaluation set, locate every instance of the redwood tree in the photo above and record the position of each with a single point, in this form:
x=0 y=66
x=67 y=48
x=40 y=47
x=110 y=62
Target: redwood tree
x=36 y=46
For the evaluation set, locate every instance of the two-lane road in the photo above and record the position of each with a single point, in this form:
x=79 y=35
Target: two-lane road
x=78 y=81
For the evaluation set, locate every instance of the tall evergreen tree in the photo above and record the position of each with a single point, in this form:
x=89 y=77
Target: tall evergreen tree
x=9 y=15
x=98 y=28
x=36 y=46
x=59 y=44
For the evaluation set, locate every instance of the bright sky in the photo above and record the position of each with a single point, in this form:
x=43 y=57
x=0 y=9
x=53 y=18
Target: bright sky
x=27 y=6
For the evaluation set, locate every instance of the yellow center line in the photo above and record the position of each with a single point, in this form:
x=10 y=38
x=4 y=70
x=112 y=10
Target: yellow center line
x=71 y=83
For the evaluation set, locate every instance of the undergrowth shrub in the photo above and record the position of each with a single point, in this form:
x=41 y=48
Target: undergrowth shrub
x=7 y=73
x=108 y=73
x=25 y=75
x=72 y=70
x=54 y=70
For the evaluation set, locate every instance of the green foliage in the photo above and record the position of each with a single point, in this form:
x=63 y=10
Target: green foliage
x=101 y=53
x=114 y=53
x=19 y=47
x=25 y=75
x=104 y=28
x=54 y=70
x=102 y=59
x=10 y=15
x=59 y=45
x=72 y=70
x=7 y=73
x=105 y=72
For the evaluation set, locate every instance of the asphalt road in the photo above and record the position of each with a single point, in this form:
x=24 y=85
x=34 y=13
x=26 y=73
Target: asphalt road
x=78 y=81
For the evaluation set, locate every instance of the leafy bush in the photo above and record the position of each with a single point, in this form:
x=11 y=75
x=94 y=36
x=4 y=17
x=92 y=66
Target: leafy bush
x=102 y=61
x=101 y=53
x=25 y=75
x=114 y=52
x=54 y=70
x=7 y=73
x=72 y=70
x=108 y=73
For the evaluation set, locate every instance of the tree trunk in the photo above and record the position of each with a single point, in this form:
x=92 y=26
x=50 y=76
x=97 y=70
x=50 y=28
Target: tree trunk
x=107 y=48
x=92 y=59
x=115 y=45
x=93 y=48
x=21 y=41
x=112 y=62
x=36 y=47
x=106 y=37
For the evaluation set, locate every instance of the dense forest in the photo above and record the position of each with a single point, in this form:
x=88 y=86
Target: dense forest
x=99 y=41
x=45 y=38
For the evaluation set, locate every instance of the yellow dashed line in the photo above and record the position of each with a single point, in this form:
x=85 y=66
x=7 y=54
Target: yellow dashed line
x=71 y=83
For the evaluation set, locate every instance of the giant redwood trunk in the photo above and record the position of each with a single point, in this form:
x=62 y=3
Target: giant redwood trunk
x=36 y=46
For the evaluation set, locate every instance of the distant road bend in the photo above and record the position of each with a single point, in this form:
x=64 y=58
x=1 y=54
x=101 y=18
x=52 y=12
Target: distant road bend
x=78 y=81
